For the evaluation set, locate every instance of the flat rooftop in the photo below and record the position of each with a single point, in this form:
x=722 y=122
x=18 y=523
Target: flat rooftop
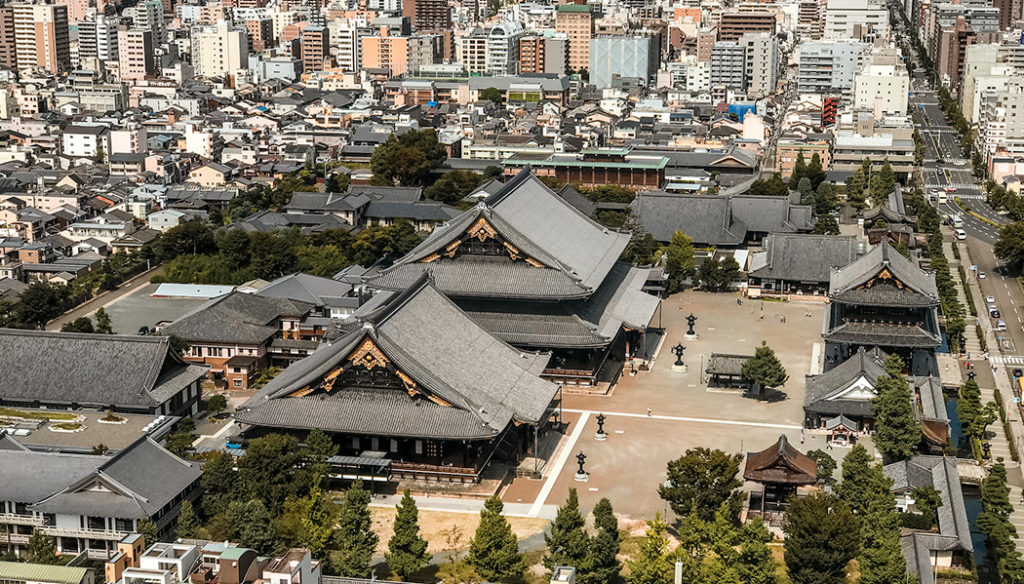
x=92 y=432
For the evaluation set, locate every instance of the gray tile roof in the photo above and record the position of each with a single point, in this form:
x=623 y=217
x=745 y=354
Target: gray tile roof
x=487 y=383
x=850 y=284
x=306 y=288
x=802 y=257
x=140 y=480
x=576 y=252
x=90 y=369
x=236 y=317
x=707 y=220
x=823 y=392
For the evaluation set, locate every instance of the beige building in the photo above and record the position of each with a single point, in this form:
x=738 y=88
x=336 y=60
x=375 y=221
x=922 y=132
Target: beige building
x=135 y=53
x=220 y=49
x=41 y=37
x=577 y=22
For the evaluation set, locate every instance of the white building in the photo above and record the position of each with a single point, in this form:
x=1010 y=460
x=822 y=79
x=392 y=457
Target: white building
x=882 y=86
x=864 y=20
x=503 y=48
x=85 y=141
x=761 y=68
x=219 y=49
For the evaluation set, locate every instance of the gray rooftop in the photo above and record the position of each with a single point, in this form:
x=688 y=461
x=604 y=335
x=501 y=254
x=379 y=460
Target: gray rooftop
x=236 y=317
x=884 y=277
x=802 y=257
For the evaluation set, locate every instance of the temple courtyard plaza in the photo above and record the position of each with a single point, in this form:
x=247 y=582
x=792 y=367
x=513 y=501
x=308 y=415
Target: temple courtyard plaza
x=630 y=464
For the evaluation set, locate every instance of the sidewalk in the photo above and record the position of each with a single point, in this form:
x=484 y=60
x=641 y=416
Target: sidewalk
x=991 y=379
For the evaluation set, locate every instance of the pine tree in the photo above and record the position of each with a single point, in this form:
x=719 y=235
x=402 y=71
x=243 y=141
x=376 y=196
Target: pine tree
x=881 y=560
x=147 y=529
x=897 y=429
x=188 y=524
x=42 y=549
x=602 y=563
x=494 y=549
x=855 y=190
x=883 y=182
x=319 y=447
x=356 y=539
x=755 y=563
x=103 y=324
x=318 y=519
x=822 y=536
x=824 y=199
x=764 y=370
x=652 y=564
x=567 y=544
x=806 y=190
x=219 y=482
x=815 y=172
x=407 y=551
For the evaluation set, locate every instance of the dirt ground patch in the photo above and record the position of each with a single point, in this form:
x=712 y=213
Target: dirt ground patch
x=434 y=526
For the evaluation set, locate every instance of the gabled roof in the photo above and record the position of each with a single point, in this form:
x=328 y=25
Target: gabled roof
x=883 y=277
x=236 y=317
x=802 y=257
x=137 y=482
x=780 y=463
x=91 y=369
x=554 y=251
x=829 y=392
x=459 y=380
x=306 y=288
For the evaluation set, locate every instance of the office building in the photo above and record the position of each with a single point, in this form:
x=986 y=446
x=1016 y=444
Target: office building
x=761 y=69
x=614 y=56
x=544 y=54
x=882 y=85
x=829 y=67
x=862 y=20
x=41 y=37
x=728 y=65
x=577 y=23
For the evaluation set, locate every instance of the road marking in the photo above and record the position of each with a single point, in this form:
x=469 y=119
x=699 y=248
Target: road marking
x=695 y=420
x=556 y=470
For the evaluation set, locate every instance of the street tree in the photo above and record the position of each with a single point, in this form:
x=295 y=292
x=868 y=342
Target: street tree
x=407 y=550
x=701 y=480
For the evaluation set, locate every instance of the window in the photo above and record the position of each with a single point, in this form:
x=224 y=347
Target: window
x=122 y=524
x=237 y=383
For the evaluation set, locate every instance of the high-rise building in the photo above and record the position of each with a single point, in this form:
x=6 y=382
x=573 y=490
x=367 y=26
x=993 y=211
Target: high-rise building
x=428 y=15
x=882 y=85
x=261 y=34
x=544 y=54
x=78 y=10
x=316 y=47
x=809 y=19
x=761 y=71
x=828 y=67
x=733 y=25
x=150 y=14
x=728 y=65
x=621 y=56
x=136 y=59
x=97 y=37
x=577 y=22
x=41 y=37
x=8 y=52
x=706 y=38
x=219 y=49
x=400 y=54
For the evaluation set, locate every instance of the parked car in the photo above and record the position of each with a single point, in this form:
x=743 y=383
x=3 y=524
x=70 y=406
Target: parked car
x=993 y=313
x=990 y=299
x=981 y=275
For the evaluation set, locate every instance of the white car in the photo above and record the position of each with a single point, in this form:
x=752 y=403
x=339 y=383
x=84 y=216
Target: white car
x=981 y=275
x=990 y=299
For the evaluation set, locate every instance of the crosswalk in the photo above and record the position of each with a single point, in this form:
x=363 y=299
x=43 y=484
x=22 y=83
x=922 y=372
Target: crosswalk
x=971 y=196
x=1006 y=359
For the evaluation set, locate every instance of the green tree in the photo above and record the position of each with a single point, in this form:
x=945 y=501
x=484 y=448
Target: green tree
x=494 y=550
x=338 y=182
x=826 y=464
x=826 y=225
x=103 y=324
x=40 y=303
x=273 y=254
x=755 y=563
x=856 y=185
x=974 y=417
x=806 y=190
x=883 y=182
x=825 y=199
x=407 y=159
x=799 y=171
x=764 y=370
x=356 y=539
x=815 y=172
x=492 y=94
x=41 y=548
x=822 y=536
x=81 y=324
x=1010 y=245
x=679 y=263
x=393 y=241
x=407 y=550
x=216 y=404
x=773 y=187
x=188 y=523
x=100 y=157
x=319 y=448
x=252 y=525
x=701 y=480
x=319 y=515
x=266 y=471
x=568 y=542
x=652 y=564
x=927 y=500
x=453 y=186
x=190 y=237
x=897 y=429
x=147 y=529
x=234 y=247
x=601 y=565
x=219 y=482
x=863 y=481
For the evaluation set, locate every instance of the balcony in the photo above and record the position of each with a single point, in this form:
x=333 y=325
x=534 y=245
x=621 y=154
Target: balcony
x=18 y=519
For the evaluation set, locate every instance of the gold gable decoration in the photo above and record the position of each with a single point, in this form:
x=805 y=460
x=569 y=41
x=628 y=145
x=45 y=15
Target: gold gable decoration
x=885 y=274
x=482 y=230
x=368 y=355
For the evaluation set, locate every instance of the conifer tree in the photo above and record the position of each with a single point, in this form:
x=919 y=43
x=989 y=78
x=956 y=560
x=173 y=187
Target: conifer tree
x=318 y=519
x=602 y=563
x=799 y=170
x=147 y=529
x=897 y=429
x=42 y=549
x=567 y=544
x=863 y=481
x=356 y=539
x=494 y=549
x=251 y=525
x=755 y=563
x=764 y=370
x=815 y=172
x=407 y=551
x=103 y=324
x=188 y=525
x=822 y=536
x=652 y=565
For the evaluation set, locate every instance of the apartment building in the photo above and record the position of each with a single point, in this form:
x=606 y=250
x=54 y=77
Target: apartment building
x=728 y=65
x=315 y=47
x=219 y=49
x=576 y=21
x=544 y=54
x=882 y=85
x=733 y=25
x=136 y=53
x=761 y=62
x=829 y=67
x=41 y=37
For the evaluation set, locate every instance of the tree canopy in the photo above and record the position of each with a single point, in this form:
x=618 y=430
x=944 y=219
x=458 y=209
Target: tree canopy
x=356 y=539
x=764 y=370
x=701 y=480
x=407 y=158
x=494 y=549
x=897 y=429
x=822 y=536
